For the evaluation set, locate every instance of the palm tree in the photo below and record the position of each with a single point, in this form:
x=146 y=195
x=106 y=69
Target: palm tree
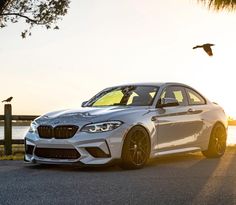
x=220 y=4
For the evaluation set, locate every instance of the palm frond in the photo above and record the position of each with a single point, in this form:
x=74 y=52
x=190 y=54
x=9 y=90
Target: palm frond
x=229 y=5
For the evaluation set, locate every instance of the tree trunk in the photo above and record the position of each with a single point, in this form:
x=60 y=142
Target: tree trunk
x=3 y=5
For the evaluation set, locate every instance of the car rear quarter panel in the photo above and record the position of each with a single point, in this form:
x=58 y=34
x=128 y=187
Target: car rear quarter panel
x=212 y=115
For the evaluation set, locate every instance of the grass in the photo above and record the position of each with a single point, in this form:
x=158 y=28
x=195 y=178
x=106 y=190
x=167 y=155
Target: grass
x=12 y=157
x=17 y=153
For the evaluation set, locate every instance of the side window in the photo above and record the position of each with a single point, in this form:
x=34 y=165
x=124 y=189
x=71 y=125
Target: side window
x=195 y=98
x=175 y=92
x=179 y=96
x=131 y=98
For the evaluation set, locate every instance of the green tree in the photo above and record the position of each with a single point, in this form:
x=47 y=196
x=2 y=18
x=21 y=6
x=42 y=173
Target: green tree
x=44 y=13
x=47 y=12
x=220 y=4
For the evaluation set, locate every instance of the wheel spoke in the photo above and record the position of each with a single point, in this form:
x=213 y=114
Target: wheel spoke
x=218 y=147
x=137 y=158
x=143 y=151
x=134 y=142
x=144 y=146
x=140 y=157
x=142 y=138
x=134 y=154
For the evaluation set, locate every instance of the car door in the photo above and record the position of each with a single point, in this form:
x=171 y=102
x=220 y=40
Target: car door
x=175 y=125
x=196 y=109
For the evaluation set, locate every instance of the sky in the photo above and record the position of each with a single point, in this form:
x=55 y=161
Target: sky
x=108 y=42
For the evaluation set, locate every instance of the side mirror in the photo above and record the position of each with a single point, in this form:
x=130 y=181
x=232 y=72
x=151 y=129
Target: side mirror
x=84 y=103
x=167 y=102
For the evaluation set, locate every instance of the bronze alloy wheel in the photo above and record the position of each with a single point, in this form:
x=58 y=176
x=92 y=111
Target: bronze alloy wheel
x=136 y=149
x=217 y=144
x=220 y=140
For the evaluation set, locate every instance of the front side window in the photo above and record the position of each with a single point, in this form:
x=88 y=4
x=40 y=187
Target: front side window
x=125 y=96
x=176 y=93
x=195 y=98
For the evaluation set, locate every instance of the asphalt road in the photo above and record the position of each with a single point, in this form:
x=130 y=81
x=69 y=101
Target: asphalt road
x=185 y=179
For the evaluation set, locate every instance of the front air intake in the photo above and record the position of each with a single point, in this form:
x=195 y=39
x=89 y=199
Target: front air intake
x=97 y=152
x=57 y=153
x=29 y=149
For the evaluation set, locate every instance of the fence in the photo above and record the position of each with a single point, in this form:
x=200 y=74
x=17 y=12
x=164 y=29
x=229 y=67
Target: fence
x=8 y=118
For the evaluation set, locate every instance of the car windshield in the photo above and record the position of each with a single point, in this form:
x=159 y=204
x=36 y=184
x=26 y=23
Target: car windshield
x=125 y=96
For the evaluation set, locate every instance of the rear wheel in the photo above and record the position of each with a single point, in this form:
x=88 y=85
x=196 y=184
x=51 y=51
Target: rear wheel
x=136 y=149
x=217 y=143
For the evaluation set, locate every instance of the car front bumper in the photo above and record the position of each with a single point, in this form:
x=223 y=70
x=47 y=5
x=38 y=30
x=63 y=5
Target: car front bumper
x=83 y=148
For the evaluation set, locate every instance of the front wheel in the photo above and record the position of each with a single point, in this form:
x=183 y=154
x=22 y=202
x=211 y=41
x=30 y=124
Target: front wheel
x=217 y=143
x=136 y=149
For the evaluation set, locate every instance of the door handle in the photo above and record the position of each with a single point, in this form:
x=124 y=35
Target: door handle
x=191 y=110
x=194 y=111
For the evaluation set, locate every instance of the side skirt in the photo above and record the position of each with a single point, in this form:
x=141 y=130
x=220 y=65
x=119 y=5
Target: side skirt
x=177 y=151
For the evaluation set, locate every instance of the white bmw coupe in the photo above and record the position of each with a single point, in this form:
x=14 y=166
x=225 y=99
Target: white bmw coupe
x=129 y=123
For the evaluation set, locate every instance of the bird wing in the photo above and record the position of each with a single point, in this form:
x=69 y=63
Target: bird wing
x=197 y=47
x=208 y=50
x=208 y=44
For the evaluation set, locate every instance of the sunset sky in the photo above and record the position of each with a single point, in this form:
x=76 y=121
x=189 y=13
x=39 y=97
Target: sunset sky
x=108 y=42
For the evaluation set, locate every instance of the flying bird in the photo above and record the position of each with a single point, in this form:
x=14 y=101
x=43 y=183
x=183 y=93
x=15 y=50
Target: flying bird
x=7 y=100
x=206 y=47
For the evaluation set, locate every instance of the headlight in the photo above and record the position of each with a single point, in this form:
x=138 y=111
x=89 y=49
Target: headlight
x=101 y=127
x=33 y=127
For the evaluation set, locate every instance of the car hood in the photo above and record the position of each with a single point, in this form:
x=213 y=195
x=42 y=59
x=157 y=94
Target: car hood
x=88 y=115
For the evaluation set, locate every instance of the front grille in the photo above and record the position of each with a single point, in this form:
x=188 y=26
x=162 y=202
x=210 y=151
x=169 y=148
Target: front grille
x=45 y=131
x=57 y=153
x=58 y=132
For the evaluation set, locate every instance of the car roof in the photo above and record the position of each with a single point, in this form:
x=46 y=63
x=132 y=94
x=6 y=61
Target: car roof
x=161 y=85
x=158 y=84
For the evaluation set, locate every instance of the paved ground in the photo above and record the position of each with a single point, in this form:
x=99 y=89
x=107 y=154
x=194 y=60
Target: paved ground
x=185 y=179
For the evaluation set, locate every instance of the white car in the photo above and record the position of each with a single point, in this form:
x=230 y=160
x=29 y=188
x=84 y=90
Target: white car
x=129 y=124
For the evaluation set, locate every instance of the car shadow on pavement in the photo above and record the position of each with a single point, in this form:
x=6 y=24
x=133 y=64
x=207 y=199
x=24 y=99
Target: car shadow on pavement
x=153 y=163
x=185 y=160
x=75 y=168
x=219 y=185
x=175 y=159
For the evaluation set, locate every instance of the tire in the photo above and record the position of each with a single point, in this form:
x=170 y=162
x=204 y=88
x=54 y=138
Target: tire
x=217 y=143
x=136 y=149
